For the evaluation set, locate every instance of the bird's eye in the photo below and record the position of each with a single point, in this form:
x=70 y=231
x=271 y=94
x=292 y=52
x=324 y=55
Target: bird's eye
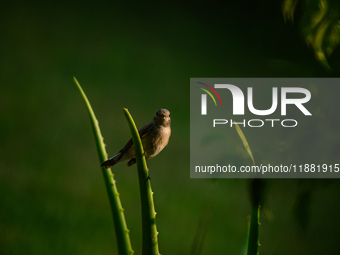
x=169 y=115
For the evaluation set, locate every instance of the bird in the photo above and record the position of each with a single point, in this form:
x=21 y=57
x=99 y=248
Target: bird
x=154 y=136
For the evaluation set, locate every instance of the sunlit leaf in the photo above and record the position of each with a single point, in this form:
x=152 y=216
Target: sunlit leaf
x=244 y=140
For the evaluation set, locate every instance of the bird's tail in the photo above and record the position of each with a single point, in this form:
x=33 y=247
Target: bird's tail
x=110 y=162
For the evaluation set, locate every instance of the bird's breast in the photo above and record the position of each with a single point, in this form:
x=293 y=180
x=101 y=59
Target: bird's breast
x=156 y=140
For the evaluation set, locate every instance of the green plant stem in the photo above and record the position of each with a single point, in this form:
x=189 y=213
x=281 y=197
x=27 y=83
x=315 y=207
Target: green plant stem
x=122 y=232
x=253 y=236
x=256 y=188
x=150 y=234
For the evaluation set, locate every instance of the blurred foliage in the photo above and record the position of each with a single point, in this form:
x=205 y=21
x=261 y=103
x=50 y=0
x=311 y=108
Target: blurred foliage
x=202 y=229
x=320 y=25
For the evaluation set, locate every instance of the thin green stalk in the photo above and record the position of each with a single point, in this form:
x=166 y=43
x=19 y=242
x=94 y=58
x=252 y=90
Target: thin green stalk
x=150 y=234
x=253 y=233
x=122 y=232
x=253 y=242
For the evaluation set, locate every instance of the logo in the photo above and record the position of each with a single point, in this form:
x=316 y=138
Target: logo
x=204 y=97
x=288 y=96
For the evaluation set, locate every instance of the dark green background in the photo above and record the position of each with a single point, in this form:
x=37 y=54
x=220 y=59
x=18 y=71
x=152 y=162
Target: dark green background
x=141 y=55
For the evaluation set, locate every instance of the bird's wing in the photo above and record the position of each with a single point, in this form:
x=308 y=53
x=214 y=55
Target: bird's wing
x=142 y=132
x=145 y=130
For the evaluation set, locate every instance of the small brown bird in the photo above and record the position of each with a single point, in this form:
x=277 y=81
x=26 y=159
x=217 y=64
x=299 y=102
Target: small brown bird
x=155 y=136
